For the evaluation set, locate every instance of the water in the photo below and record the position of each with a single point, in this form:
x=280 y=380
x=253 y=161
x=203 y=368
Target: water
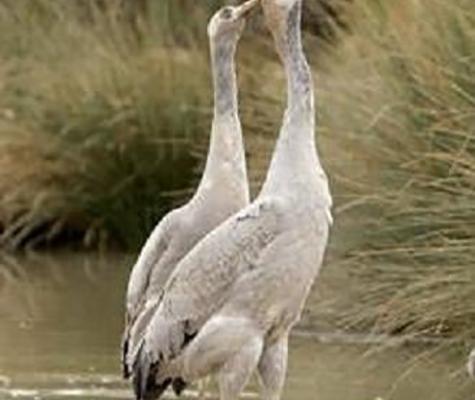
x=61 y=320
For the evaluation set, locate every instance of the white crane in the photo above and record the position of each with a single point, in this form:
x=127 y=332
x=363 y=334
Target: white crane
x=228 y=307
x=223 y=189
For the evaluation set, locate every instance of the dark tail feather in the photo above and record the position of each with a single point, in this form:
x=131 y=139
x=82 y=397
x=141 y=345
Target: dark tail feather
x=179 y=385
x=144 y=373
x=125 y=350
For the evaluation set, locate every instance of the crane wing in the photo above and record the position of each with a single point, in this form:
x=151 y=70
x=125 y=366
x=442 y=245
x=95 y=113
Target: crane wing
x=138 y=308
x=274 y=293
x=200 y=283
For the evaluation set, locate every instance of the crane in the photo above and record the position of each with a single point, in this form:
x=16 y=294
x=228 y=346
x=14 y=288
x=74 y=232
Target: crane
x=231 y=302
x=223 y=189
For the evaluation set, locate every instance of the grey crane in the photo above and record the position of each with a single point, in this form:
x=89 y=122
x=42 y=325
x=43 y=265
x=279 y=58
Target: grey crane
x=223 y=189
x=230 y=304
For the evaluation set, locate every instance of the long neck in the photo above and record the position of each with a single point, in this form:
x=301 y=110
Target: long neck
x=226 y=143
x=224 y=77
x=295 y=156
x=300 y=101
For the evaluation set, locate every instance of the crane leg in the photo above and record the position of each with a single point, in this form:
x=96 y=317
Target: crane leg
x=272 y=369
x=235 y=374
x=203 y=385
x=229 y=346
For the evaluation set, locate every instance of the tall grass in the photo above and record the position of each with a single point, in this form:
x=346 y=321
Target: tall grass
x=400 y=105
x=96 y=104
x=90 y=122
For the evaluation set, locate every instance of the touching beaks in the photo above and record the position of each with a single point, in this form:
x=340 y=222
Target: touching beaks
x=245 y=8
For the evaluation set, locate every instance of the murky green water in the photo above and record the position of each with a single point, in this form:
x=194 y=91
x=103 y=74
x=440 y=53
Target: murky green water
x=60 y=324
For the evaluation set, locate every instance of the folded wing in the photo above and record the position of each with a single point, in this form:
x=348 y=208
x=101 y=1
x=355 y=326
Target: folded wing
x=200 y=285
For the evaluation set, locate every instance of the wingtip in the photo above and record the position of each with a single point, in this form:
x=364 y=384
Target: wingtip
x=125 y=365
x=179 y=385
x=141 y=370
x=144 y=377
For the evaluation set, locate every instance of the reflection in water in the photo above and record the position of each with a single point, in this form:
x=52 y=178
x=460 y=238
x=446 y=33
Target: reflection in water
x=61 y=321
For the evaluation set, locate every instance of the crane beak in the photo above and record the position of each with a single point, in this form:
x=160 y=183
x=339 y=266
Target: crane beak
x=245 y=8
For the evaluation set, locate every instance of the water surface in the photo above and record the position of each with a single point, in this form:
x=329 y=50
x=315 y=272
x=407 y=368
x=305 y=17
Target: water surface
x=61 y=320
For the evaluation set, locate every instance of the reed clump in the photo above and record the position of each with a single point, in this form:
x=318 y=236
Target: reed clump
x=91 y=118
x=399 y=102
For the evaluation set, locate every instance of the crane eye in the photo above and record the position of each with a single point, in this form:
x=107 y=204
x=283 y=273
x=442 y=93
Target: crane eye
x=227 y=13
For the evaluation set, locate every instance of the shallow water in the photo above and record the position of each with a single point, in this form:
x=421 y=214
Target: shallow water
x=60 y=325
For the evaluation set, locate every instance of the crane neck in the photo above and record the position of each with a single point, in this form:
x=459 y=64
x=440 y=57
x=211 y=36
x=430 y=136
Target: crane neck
x=300 y=96
x=295 y=160
x=224 y=77
x=226 y=157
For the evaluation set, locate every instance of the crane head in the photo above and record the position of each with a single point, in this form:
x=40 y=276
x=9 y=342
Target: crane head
x=230 y=19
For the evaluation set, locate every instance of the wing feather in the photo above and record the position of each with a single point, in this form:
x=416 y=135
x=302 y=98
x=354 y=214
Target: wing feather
x=138 y=309
x=199 y=284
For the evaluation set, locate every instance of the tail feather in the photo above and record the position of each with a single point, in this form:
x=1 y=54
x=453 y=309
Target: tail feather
x=125 y=351
x=133 y=333
x=144 y=377
x=150 y=361
x=179 y=385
